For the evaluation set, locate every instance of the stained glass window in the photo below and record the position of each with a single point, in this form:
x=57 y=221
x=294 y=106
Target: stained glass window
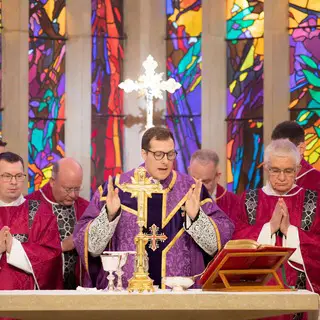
x=106 y=98
x=47 y=45
x=245 y=55
x=1 y=69
x=304 y=37
x=184 y=28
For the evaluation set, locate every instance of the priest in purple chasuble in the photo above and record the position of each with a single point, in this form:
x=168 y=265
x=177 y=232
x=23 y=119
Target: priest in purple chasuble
x=30 y=250
x=195 y=227
x=284 y=214
x=308 y=177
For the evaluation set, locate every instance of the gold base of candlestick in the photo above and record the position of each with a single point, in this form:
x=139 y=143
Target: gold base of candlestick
x=140 y=282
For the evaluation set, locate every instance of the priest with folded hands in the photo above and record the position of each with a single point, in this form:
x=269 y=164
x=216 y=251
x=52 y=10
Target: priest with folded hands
x=30 y=249
x=284 y=214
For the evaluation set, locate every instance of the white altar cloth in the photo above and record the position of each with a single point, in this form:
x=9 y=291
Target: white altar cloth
x=188 y=305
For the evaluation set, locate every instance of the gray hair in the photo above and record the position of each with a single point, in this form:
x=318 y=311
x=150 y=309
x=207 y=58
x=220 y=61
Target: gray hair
x=55 y=170
x=282 y=148
x=205 y=156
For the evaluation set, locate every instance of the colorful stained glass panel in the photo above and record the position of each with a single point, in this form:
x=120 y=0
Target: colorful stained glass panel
x=304 y=38
x=245 y=57
x=304 y=13
x=47 y=47
x=106 y=97
x=1 y=26
x=244 y=113
x=47 y=18
x=46 y=146
x=244 y=155
x=245 y=19
x=184 y=63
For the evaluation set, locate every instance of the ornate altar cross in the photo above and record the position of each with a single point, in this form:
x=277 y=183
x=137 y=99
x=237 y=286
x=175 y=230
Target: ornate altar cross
x=154 y=237
x=141 y=187
x=150 y=85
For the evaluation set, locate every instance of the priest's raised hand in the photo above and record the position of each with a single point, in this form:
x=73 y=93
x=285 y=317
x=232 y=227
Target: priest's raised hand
x=193 y=200
x=112 y=200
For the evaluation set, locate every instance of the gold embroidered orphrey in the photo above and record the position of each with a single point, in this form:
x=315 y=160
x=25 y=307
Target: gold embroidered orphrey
x=142 y=188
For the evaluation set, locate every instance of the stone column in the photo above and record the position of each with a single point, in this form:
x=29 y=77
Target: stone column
x=276 y=66
x=78 y=86
x=15 y=76
x=214 y=79
x=145 y=27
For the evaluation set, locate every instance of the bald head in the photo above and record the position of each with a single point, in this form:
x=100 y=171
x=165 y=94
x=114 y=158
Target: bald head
x=66 y=181
x=204 y=165
x=66 y=166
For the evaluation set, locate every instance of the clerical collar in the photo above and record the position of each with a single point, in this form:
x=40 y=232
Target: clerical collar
x=52 y=202
x=268 y=190
x=166 y=182
x=15 y=203
x=214 y=194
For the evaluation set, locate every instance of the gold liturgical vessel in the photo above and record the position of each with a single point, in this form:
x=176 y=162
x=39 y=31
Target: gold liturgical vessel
x=142 y=188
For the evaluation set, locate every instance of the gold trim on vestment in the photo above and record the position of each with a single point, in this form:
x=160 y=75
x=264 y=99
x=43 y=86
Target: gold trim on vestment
x=164 y=255
x=101 y=193
x=86 y=246
x=217 y=234
x=173 y=181
x=125 y=208
x=205 y=201
x=117 y=181
x=225 y=191
x=166 y=219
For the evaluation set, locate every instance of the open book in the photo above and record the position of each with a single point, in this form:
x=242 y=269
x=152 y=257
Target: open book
x=245 y=265
x=244 y=244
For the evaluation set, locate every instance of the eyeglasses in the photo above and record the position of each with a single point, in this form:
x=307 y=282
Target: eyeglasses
x=7 y=177
x=76 y=190
x=159 y=155
x=289 y=172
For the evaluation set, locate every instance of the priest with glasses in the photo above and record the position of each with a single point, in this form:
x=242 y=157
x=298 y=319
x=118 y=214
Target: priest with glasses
x=30 y=251
x=184 y=212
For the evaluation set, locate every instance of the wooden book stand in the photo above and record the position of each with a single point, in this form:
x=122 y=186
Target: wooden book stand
x=237 y=268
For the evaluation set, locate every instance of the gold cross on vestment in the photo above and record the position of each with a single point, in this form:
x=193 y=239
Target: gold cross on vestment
x=154 y=237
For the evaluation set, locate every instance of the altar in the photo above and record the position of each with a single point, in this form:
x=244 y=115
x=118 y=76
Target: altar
x=162 y=304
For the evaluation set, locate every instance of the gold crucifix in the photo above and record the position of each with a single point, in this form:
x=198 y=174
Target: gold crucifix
x=154 y=237
x=141 y=188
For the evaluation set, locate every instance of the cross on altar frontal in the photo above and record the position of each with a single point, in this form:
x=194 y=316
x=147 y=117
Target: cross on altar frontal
x=154 y=237
x=150 y=85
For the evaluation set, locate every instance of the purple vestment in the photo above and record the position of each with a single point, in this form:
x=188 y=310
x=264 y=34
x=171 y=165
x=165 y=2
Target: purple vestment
x=179 y=255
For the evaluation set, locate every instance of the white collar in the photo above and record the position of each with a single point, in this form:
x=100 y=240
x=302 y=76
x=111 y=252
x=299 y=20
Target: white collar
x=51 y=202
x=48 y=200
x=214 y=194
x=15 y=203
x=268 y=190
